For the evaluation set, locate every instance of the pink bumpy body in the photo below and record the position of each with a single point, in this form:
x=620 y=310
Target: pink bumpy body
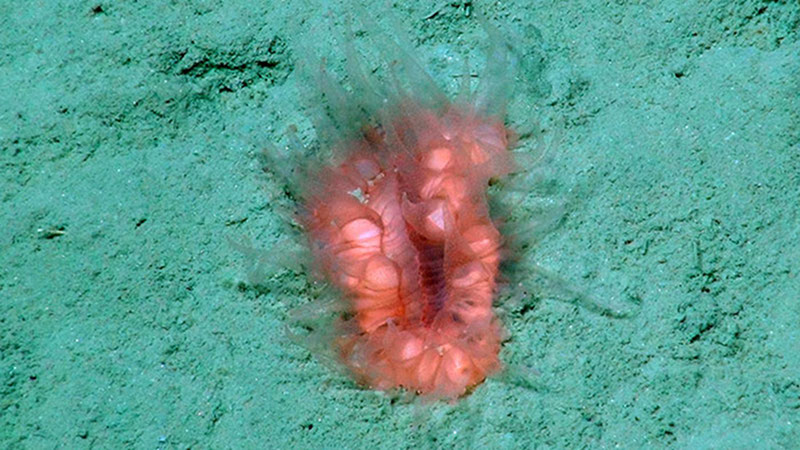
x=401 y=226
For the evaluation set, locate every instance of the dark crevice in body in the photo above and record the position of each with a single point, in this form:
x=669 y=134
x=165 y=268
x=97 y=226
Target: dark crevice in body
x=430 y=260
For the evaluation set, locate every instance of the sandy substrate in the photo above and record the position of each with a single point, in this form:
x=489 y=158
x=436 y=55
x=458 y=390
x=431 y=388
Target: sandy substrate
x=129 y=135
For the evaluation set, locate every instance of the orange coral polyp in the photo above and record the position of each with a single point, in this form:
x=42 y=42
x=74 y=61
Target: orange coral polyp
x=401 y=227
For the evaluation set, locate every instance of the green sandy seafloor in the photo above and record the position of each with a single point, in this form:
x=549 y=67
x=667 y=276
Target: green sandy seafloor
x=129 y=136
